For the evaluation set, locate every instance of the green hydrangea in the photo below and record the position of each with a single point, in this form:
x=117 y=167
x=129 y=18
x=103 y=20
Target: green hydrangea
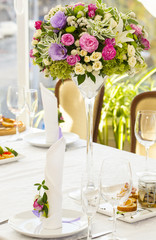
x=60 y=69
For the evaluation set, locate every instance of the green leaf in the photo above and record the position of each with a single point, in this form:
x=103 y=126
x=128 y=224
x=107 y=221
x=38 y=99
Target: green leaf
x=39 y=60
x=37 y=184
x=44 y=197
x=42 y=46
x=43 y=182
x=81 y=78
x=70 y=29
x=132 y=21
x=92 y=77
x=46 y=210
x=39 y=187
x=12 y=151
x=99 y=1
x=1 y=150
x=51 y=33
x=40 y=201
x=128 y=27
x=45 y=187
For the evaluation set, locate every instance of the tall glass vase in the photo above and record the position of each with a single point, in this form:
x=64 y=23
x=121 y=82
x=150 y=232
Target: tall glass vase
x=89 y=91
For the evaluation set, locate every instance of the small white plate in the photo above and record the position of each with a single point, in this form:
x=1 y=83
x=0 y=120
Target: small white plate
x=9 y=160
x=28 y=224
x=38 y=139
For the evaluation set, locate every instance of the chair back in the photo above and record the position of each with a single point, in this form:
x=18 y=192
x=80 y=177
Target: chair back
x=143 y=101
x=72 y=106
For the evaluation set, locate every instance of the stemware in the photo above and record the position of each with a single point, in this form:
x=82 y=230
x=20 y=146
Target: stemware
x=145 y=130
x=115 y=185
x=16 y=104
x=31 y=96
x=90 y=192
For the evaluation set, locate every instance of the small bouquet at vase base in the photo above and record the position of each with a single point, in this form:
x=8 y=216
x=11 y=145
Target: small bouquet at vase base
x=88 y=40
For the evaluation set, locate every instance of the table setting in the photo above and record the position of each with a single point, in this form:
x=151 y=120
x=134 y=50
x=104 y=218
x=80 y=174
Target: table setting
x=85 y=42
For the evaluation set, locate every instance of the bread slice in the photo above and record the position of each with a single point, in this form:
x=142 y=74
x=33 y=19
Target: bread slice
x=129 y=208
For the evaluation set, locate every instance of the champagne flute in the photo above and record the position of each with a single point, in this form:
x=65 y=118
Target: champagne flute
x=31 y=96
x=145 y=130
x=90 y=192
x=115 y=186
x=16 y=104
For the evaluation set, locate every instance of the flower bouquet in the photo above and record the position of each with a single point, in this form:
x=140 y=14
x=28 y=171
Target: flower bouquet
x=88 y=40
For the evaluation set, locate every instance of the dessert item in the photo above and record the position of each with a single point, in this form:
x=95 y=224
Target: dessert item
x=8 y=126
x=8 y=122
x=7 y=153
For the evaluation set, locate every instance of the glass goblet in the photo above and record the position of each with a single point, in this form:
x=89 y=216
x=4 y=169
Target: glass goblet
x=31 y=96
x=145 y=130
x=16 y=104
x=90 y=193
x=115 y=174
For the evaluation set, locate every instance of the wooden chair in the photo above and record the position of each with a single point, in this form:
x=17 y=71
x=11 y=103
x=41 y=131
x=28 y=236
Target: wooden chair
x=72 y=106
x=143 y=101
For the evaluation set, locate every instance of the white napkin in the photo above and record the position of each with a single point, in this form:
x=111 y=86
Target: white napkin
x=50 y=115
x=53 y=180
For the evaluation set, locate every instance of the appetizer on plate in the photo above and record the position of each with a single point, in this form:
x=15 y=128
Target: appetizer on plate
x=7 y=153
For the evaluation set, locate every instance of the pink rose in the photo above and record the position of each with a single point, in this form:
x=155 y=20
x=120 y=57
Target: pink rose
x=110 y=41
x=145 y=43
x=38 y=24
x=78 y=57
x=67 y=39
x=78 y=4
x=72 y=60
x=88 y=43
x=91 y=13
x=37 y=206
x=108 y=52
x=138 y=30
x=31 y=53
x=92 y=7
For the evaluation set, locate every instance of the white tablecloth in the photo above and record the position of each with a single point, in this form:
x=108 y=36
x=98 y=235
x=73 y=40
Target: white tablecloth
x=17 y=187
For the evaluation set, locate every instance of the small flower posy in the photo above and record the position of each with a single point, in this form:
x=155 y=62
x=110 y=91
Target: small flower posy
x=88 y=40
x=40 y=204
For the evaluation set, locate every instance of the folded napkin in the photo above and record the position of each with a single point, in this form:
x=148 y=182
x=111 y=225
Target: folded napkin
x=50 y=115
x=53 y=179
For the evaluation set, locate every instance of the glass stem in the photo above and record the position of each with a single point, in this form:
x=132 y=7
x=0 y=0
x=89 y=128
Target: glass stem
x=89 y=103
x=89 y=232
x=31 y=122
x=146 y=164
x=114 y=223
x=17 y=130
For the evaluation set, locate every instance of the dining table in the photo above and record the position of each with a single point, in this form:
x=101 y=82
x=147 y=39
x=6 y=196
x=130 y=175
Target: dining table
x=17 y=188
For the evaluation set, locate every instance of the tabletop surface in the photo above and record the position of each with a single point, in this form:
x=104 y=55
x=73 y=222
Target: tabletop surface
x=17 y=189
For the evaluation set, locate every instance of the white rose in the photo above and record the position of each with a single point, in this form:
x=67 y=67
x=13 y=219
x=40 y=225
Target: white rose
x=83 y=53
x=97 y=18
x=107 y=16
x=96 y=73
x=113 y=23
x=77 y=44
x=132 y=15
x=131 y=50
x=89 y=68
x=95 y=56
x=37 y=33
x=87 y=59
x=132 y=61
x=79 y=70
x=85 y=66
x=70 y=19
x=97 y=65
x=46 y=62
x=34 y=42
x=34 y=51
x=74 y=52
x=46 y=17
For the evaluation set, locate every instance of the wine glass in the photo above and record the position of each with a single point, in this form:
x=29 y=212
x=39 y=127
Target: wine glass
x=31 y=96
x=145 y=130
x=115 y=186
x=90 y=192
x=16 y=104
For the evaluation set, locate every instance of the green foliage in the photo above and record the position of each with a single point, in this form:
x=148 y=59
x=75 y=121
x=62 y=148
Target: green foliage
x=60 y=69
x=119 y=93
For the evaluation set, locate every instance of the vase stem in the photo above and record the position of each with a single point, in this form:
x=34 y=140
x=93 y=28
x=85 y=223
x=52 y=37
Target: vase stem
x=89 y=103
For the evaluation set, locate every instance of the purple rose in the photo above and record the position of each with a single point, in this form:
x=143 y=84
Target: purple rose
x=58 y=20
x=108 y=52
x=72 y=60
x=145 y=43
x=88 y=43
x=57 y=52
x=38 y=24
x=37 y=206
x=67 y=39
x=110 y=41
x=138 y=30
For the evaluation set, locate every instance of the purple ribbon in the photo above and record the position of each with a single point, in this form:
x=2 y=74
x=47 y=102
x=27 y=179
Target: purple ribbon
x=71 y=221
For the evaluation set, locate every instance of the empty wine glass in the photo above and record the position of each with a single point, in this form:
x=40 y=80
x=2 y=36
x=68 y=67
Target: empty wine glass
x=90 y=192
x=145 y=130
x=31 y=96
x=115 y=186
x=16 y=104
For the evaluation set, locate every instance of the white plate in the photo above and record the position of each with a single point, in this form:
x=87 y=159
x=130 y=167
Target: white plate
x=129 y=217
x=28 y=224
x=13 y=159
x=38 y=139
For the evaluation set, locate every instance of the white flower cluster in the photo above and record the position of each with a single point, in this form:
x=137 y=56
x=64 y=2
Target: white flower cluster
x=53 y=11
x=71 y=20
x=131 y=54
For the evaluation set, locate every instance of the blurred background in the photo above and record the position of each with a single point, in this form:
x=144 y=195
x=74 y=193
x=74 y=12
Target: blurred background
x=145 y=12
